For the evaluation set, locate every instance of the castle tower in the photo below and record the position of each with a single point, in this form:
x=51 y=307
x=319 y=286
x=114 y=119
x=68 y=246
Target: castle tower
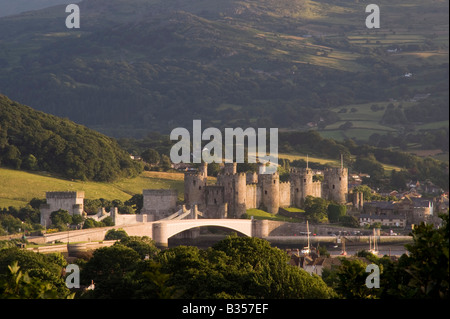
x=270 y=191
x=234 y=188
x=335 y=186
x=301 y=185
x=203 y=169
x=240 y=194
x=230 y=168
x=72 y=202
x=194 y=186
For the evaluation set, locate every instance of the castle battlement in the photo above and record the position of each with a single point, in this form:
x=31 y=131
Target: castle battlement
x=225 y=174
x=60 y=195
x=194 y=174
x=303 y=170
x=159 y=192
x=335 y=170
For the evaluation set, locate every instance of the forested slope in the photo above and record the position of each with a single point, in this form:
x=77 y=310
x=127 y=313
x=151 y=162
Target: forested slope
x=33 y=140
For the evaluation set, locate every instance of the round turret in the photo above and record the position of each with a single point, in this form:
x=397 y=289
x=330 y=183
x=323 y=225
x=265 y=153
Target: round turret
x=301 y=185
x=194 y=188
x=335 y=185
x=270 y=196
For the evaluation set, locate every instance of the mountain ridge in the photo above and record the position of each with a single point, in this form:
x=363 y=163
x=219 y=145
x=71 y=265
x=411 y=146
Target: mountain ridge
x=142 y=64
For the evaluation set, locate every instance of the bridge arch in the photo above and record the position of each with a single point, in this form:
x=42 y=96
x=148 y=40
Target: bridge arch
x=163 y=230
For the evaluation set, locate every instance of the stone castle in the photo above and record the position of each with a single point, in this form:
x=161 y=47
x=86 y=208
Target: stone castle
x=235 y=192
x=230 y=197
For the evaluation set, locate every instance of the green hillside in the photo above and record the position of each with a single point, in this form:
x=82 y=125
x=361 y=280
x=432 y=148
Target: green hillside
x=18 y=187
x=137 y=66
x=36 y=141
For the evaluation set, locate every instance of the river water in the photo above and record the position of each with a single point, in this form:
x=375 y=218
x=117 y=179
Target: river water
x=335 y=249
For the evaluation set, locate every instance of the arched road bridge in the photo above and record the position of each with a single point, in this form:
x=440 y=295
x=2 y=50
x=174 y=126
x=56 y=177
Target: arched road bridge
x=164 y=229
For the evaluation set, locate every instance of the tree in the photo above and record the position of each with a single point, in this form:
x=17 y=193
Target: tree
x=153 y=283
x=136 y=202
x=428 y=261
x=60 y=219
x=399 y=179
x=151 y=156
x=270 y=274
x=41 y=269
x=30 y=163
x=144 y=246
x=335 y=212
x=349 y=221
x=316 y=209
x=20 y=285
x=115 y=234
x=91 y=223
x=352 y=280
x=368 y=164
x=239 y=267
x=165 y=162
x=111 y=269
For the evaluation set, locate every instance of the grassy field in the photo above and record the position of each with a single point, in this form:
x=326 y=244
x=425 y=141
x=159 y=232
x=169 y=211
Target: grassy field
x=19 y=187
x=260 y=214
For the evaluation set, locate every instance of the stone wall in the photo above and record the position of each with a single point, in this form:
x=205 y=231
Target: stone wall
x=285 y=194
x=159 y=202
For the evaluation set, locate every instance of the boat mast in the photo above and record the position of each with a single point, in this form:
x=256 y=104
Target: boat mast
x=374 y=240
x=307 y=232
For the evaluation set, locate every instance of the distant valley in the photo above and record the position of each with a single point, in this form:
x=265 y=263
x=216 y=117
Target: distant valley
x=139 y=66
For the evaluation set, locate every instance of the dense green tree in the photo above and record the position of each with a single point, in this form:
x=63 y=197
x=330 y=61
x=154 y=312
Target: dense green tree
x=115 y=234
x=111 y=269
x=316 y=209
x=335 y=212
x=239 y=267
x=165 y=163
x=352 y=280
x=30 y=163
x=151 y=156
x=144 y=246
x=44 y=271
x=60 y=219
x=19 y=285
x=136 y=202
x=428 y=261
